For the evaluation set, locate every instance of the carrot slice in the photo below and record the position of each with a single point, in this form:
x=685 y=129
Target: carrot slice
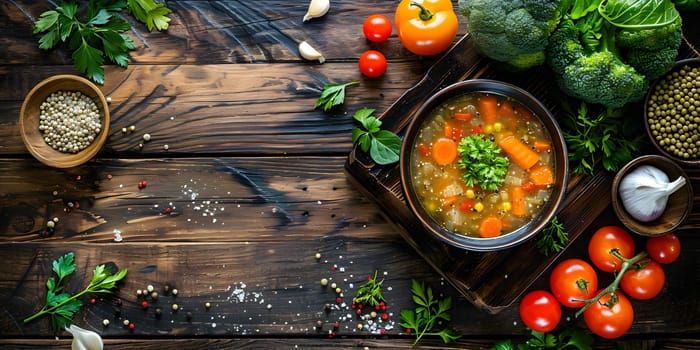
x=542 y=146
x=447 y=202
x=466 y=116
x=488 y=107
x=541 y=175
x=490 y=226
x=517 y=201
x=519 y=152
x=444 y=151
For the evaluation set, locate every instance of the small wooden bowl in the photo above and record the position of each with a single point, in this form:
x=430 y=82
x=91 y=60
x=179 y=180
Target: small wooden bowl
x=679 y=205
x=686 y=162
x=29 y=121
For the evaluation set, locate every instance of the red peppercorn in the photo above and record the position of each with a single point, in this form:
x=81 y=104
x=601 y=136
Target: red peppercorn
x=93 y=301
x=333 y=267
x=76 y=205
x=377 y=307
x=336 y=325
x=385 y=317
x=359 y=312
x=382 y=331
x=144 y=304
x=168 y=210
x=353 y=306
x=331 y=335
x=408 y=330
x=132 y=326
x=359 y=306
x=369 y=278
x=338 y=300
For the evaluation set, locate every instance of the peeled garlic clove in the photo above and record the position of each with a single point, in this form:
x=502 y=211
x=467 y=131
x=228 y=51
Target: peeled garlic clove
x=317 y=8
x=309 y=53
x=84 y=339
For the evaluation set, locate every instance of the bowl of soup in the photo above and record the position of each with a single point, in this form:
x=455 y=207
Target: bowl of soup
x=483 y=165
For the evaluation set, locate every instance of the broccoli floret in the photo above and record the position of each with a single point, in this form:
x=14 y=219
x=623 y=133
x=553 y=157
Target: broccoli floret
x=652 y=52
x=513 y=32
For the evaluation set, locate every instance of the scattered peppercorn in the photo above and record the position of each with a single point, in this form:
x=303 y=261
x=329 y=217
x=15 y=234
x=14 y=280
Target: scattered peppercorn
x=154 y=295
x=333 y=285
x=318 y=256
x=207 y=305
x=338 y=300
x=158 y=312
x=166 y=289
x=132 y=326
x=93 y=301
x=50 y=224
x=324 y=281
x=319 y=324
x=168 y=210
x=132 y=128
x=338 y=290
x=175 y=307
x=174 y=291
x=385 y=317
x=126 y=322
x=105 y=322
x=147 y=137
x=327 y=307
x=144 y=305
x=139 y=292
x=149 y=288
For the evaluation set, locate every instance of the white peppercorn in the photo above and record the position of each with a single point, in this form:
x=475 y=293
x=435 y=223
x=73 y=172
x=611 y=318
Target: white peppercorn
x=69 y=121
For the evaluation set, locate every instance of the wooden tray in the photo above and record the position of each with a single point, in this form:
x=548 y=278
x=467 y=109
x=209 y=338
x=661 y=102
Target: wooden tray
x=491 y=281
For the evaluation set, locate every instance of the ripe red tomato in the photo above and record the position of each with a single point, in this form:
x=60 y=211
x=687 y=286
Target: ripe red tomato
x=604 y=241
x=608 y=318
x=377 y=28
x=664 y=249
x=644 y=280
x=572 y=282
x=540 y=311
x=372 y=64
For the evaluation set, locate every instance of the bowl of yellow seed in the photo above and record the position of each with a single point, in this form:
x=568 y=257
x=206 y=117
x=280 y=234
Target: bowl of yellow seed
x=64 y=121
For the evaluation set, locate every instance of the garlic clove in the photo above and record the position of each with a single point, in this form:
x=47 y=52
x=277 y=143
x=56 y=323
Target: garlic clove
x=317 y=8
x=308 y=52
x=84 y=339
x=645 y=192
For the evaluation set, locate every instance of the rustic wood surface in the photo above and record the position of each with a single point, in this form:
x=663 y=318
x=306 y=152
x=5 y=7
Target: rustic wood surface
x=257 y=185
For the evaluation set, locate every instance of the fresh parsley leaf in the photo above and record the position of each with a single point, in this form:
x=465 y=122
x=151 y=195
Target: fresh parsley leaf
x=553 y=238
x=333 y=95
x=151 y=13
x=425 y=318
x=61 y=306
x=384 y=146
x=370 y=292
x=570 y=338
x=483 y=163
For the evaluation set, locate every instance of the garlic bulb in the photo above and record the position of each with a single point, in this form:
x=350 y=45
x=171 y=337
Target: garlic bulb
x=317 y=8
x=84 y=339
x=309 y=53
x=645 y=191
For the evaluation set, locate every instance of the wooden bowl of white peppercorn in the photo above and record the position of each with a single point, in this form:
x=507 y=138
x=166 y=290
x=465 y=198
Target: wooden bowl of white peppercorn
x=64 y=121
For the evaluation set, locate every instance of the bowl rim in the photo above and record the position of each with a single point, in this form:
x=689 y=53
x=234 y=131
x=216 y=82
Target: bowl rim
x=693 y=61
x=507 y=240
x=622 y=213
x=67 y=160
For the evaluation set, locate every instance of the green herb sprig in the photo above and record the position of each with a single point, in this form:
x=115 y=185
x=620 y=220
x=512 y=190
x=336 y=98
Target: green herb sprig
x=570 y=338
x=593 y=132
x=384 y=146
x=424 y=320
x=553 y=238
x=483 y=163
x=99 y=34
x=370 y=292
x=60 y=305
x=333 y=95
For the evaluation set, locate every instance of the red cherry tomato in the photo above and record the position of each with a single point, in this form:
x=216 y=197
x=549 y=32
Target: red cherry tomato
x=572 y=282
x=372 y=64
x=377 y=28
x=664 y=249
x=608 y=318
x=604 y=241
x=644 y=280
x=540 y=311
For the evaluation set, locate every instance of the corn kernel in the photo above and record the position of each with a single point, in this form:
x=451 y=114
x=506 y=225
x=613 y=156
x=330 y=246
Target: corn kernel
x=506 y=206
x=497 y=127
x=479 y=207
x=488 y=128
x=470 y=194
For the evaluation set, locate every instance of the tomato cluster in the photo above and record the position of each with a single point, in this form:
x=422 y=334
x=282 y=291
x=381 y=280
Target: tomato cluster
x=607 y=311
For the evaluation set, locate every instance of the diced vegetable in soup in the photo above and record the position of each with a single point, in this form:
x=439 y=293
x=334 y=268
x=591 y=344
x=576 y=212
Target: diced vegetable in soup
x=482 y=165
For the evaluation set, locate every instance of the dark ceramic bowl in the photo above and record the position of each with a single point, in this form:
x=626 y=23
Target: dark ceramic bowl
x=686 y=162
x=678 y=207
x=559 y=154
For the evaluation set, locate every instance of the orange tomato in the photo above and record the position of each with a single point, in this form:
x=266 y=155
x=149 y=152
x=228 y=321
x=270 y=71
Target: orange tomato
x=426 y=27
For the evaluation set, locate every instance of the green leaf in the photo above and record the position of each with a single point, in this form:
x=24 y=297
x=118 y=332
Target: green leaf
x=385 y=147
x=424 y=318
x=482 y=162
x=333 y=95
x=635 y=14
x=46 y=21
x=68 y=9
x=64 y=266
x=150 y=13
x=49 y=40
x=363 y=114
x=100 y=18
x=89 y=61
x=503 y=345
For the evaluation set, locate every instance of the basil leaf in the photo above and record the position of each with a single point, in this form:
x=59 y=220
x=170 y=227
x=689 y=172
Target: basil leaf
x=635 y=14
x=385 y=147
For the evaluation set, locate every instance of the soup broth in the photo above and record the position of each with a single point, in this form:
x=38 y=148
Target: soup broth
x=471 y=210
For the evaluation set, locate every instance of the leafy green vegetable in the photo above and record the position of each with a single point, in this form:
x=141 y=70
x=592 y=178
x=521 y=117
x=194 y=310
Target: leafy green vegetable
x=370 y=293
x=599 y=132
x=60 y=305
x=333 y=95
x=635 y=14
x=426 y=318
x=483 y=163
x=570 y=338
x=553 y=238
x=99 y=34
x=383 y=145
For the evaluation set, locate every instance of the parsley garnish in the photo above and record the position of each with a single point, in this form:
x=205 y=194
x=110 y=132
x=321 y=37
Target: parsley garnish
x=333 y=95
x=553 y=238
x=100 y=34
x=60 y=305
x=383 y=145
x=599 y=132
x=370 y=293
x=571 y=338
x=483 y=163
x=429 y=313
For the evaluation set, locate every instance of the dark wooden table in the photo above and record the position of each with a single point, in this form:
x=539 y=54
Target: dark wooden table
x=255 y=180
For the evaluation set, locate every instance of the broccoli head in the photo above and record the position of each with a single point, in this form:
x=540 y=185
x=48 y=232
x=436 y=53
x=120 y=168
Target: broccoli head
x=651 y=52
x=512 y=32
